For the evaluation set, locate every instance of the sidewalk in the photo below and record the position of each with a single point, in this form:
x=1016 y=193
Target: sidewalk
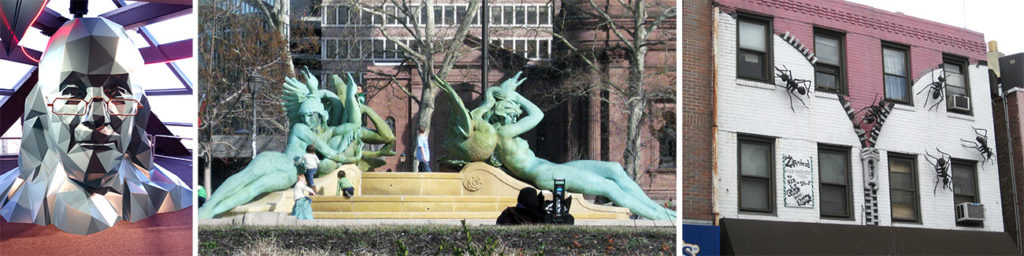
x=272 y=219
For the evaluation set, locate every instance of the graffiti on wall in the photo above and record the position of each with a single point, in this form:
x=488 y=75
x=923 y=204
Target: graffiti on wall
x=798 y=180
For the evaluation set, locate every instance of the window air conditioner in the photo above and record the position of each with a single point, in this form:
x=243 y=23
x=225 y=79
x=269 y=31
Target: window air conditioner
x=960 y=102
x=970 y=212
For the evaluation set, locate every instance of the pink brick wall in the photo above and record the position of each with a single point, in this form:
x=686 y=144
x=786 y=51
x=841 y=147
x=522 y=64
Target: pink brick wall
x=865 y=29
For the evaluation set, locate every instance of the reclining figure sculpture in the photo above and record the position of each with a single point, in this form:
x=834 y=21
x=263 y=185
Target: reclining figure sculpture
x=320 y=118
x=501 y=109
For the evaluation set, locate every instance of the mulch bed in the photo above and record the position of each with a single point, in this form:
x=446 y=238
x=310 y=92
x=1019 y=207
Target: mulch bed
x=436 y=240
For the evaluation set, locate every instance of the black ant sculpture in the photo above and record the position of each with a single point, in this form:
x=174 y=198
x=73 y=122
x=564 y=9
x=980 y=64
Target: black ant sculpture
x=981 y=145
x=938 y=90
x=793 y=86
x=874 y=112
x=942 y=165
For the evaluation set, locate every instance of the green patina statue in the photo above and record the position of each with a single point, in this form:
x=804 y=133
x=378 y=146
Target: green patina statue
x=382 y=134
x=338 y=138
x=588 y=177
x=470 y=137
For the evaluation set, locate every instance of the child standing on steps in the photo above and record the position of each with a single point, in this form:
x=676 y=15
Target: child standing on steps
x=345 y=185
x=309 y=161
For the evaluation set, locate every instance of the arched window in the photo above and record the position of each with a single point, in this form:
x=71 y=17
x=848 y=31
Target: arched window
x=667 y=141
x=391 y=122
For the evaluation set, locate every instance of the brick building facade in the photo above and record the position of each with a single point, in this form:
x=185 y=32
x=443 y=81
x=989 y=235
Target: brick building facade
x=698 y=112
x=1008 y=108
x=815 y=156
x=1014 y=109
x=579 y=128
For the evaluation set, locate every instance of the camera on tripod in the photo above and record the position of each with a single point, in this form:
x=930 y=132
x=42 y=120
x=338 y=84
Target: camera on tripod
x=557 y=210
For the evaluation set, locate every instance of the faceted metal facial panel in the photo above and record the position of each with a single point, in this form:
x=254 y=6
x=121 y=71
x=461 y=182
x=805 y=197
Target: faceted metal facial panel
x=85 y=161
x=84 y=75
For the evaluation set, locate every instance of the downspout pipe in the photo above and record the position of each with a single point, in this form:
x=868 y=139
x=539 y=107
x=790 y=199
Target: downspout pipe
x=1013 y=173
x=714 y=115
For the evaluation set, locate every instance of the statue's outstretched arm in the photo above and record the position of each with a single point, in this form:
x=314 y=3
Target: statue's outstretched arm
x=301 y=134
x=460 y=114
x=533 y=117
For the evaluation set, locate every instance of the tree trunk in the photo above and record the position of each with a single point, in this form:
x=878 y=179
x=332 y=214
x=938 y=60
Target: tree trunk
x=426 y=105
x=285 y=29
x=207 y=180
x=636 y=102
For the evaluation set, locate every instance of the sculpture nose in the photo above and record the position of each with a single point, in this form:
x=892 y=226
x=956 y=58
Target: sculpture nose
x=96 y=114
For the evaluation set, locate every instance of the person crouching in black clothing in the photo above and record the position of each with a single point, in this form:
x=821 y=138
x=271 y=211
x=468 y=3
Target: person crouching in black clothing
x=528 y=210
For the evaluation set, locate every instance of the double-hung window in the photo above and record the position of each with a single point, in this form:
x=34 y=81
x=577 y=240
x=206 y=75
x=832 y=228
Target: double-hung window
x=965 y=181
x=903 y=191
x=896 y=73
x=965 y=185
x=753 y=53
x=834 y=168
x=756 y=167
x=829 y=71
x=955 y=70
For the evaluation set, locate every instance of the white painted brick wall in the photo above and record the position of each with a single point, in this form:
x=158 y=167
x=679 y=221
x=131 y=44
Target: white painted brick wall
x=748 y=107
x=912 y=130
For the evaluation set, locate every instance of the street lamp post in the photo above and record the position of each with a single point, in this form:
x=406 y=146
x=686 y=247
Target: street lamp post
x=253 y=88
x=485 y=21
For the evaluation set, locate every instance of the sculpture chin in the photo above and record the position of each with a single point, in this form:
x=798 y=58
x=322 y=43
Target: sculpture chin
x=102 y=162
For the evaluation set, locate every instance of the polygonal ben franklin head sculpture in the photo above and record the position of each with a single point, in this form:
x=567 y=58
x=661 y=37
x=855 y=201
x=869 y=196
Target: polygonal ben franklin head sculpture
x=85 y=161
x=94 y=101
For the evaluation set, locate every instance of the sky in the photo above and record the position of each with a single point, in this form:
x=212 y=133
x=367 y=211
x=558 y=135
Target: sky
x=158 y=76
x=999 y=20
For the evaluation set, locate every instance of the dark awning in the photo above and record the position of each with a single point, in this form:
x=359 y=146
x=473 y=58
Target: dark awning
x=747 y=237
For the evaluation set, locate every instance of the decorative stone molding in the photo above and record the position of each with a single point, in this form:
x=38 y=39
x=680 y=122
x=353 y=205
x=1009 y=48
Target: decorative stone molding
x=472 y=183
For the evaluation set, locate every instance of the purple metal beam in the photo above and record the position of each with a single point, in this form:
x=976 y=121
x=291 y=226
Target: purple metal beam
x=49 y=21
x=178 y=124
x=171 y=65
x=167 y=52
x=140 y=14
x=16 y=103
x=162 y=92
x=186 y=2
x=23 y=55
x=166 y=146
x=19 y=83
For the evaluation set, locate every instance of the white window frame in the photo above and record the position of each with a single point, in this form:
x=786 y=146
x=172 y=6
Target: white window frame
x=516 y=41
x=535 y=8
x=394 y=57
